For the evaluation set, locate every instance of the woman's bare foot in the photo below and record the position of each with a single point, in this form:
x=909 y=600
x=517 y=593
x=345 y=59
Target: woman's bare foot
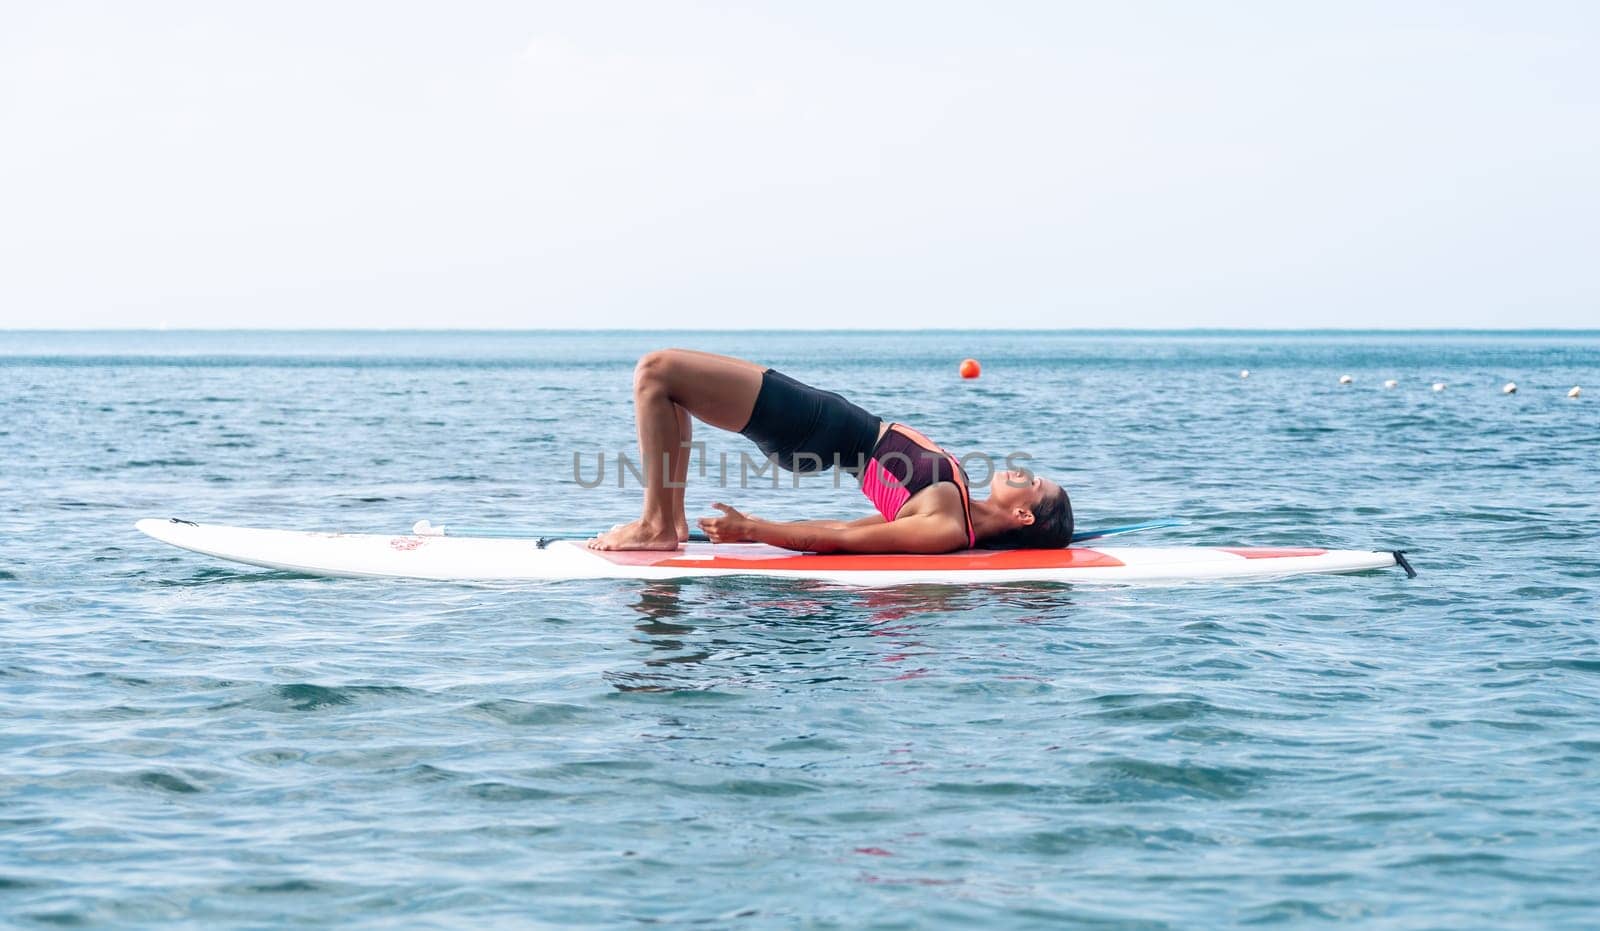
x=636 y=535
x=683 y=529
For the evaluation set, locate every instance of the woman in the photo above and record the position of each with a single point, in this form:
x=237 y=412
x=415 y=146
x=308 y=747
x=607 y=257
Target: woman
x=920 y=491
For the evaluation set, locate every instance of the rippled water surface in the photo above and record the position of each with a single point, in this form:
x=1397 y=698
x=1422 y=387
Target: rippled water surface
x=192 y=742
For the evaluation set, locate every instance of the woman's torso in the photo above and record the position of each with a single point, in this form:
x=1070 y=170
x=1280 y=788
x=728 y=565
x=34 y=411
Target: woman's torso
x=903 y=464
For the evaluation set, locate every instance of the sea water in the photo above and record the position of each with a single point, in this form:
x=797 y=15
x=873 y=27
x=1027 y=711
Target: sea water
x=192 y=742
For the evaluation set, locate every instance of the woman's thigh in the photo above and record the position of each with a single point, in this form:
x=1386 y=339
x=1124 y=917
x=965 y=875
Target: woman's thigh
x=719 y=390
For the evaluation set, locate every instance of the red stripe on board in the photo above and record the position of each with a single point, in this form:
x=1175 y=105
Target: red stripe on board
x=1073 y=558
x=1263 y=552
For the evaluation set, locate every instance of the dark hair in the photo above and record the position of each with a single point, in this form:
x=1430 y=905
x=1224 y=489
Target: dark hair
x=1051 y=528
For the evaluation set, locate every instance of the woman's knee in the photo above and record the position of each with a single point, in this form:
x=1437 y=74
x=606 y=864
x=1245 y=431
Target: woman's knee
x=655 y=369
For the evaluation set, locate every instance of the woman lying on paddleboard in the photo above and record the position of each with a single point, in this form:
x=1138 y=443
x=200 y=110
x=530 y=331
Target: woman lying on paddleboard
x=921 y=491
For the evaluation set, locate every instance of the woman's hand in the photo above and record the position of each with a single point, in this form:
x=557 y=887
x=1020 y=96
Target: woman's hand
x=732 y=527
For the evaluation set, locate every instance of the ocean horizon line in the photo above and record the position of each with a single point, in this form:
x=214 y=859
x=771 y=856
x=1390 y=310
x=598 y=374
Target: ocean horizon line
x=1117 y=331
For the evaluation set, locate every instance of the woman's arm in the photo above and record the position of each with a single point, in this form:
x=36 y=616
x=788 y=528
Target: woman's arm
x=917 y=533
x=867 y=521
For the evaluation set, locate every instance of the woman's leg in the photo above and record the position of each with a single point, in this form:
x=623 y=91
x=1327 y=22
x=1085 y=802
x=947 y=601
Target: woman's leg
x=669 y=386
x=680 y=471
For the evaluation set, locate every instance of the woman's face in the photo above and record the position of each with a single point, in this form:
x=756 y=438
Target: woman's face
x=1014 y=488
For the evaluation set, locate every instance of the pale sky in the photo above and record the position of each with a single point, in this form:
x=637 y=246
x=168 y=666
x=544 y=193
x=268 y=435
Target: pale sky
x=816 y=164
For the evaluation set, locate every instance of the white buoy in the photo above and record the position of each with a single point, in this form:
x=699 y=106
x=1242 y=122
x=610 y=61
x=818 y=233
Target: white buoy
x=1345 y=379
x=1438 y=386
x=1244 y=373
x=1576 y=392
x=1510 y=388
x=1390 y=383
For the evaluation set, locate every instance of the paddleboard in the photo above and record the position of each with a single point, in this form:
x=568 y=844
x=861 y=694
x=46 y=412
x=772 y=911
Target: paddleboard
x=410 y=556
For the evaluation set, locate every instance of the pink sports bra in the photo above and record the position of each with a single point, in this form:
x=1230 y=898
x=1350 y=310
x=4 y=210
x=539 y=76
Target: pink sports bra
x=903 y=463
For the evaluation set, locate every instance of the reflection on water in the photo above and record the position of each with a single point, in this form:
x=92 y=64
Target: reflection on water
x=778 y=634
x=658 y=603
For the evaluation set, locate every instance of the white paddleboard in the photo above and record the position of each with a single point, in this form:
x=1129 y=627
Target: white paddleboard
x=362 y=555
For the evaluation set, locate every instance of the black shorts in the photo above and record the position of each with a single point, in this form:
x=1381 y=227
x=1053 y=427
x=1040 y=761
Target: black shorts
x=804 y=429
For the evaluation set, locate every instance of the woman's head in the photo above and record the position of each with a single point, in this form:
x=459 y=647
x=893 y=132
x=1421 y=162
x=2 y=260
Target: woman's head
x=1040 y=511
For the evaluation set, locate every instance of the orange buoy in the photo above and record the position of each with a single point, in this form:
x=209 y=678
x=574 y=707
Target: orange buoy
x=970 y=368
